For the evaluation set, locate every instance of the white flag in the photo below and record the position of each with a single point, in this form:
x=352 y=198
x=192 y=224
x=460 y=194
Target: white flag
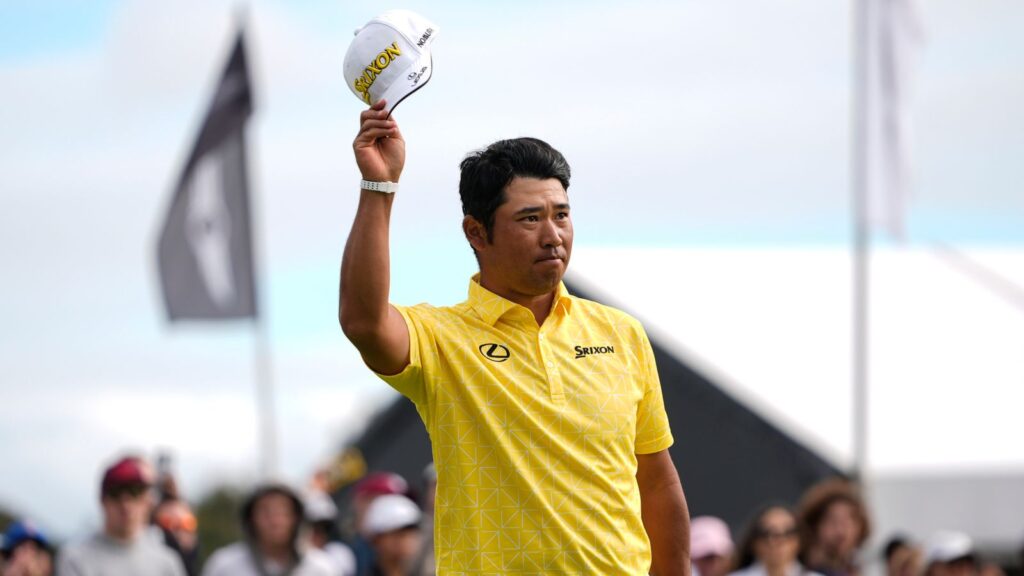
x=895 y=43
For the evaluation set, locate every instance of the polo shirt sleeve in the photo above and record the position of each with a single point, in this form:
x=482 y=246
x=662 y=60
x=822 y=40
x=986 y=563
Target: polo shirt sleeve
x=652 y=430
x=410 y=382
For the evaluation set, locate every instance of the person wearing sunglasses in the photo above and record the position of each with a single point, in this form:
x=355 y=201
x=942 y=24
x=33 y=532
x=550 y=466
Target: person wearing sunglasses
x=770 y=545
x=122 y=547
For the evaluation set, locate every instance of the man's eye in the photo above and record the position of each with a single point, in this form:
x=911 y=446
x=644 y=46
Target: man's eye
x=563 y=215
x=531 y=218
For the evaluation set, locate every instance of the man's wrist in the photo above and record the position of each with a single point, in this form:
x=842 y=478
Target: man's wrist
x=376 y=186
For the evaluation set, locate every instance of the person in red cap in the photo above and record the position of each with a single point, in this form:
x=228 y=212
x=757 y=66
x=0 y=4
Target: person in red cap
x=122 y=547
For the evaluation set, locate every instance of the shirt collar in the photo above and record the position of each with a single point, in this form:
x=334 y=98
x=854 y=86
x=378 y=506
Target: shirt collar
x=490 y=307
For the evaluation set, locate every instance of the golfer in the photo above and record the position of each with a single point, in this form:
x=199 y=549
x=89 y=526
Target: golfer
x=544 y=410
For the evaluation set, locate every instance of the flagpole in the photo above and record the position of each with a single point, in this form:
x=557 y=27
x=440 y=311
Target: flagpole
x=264 y=373
x=265 y=402
x=861 y=232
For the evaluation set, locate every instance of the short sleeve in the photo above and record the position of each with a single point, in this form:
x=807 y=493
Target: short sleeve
x=652 y=430
x=411 y=382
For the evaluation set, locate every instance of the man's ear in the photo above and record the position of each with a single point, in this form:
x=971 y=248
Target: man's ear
x=475 y=233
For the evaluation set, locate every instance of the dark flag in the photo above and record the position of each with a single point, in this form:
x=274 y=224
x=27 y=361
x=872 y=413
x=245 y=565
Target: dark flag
x=205 y=252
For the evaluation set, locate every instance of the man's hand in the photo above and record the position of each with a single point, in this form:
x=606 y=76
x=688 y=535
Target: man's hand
x=379 y=147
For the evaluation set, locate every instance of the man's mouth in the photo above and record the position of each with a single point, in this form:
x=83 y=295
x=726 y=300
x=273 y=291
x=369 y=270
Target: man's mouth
x=549 y=258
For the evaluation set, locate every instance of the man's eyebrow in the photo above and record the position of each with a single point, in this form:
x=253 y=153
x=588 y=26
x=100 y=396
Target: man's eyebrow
x=528 y=210
x=535 y=209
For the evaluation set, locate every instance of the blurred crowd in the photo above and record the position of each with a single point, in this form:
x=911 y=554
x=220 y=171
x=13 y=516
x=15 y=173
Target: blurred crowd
x=149 y=529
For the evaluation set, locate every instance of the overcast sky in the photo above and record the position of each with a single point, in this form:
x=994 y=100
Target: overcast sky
x=712 y=124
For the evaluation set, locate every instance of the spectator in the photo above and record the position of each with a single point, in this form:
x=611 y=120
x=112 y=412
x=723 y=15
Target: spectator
x=177 y=525
x=902 y=558
x=322 y=514
x=272 y=521
x=710 y=546
x=121 y=548
x=950 y=554
x=392 y=526
x=769 y=546
x=366 y=491
x=26 y=551
x=833 y=525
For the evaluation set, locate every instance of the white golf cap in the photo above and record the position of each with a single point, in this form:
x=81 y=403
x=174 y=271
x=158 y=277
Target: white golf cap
x=388 y=513
x=390 y=57
x=947 y=546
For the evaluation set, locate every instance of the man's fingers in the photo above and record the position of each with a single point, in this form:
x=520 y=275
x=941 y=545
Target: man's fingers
x=371 y=124
x=374 y=134
x=372 y=115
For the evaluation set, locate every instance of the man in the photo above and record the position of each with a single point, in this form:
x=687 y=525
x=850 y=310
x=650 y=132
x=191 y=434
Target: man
x=902 y=557
x=393 y=529
x=950 y=553
x=271 y=520
x=545 y=413
x=122 y=548
x=373 y=486
x=26 y=551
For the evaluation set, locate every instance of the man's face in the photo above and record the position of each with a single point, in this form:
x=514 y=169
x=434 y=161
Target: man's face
x=274 y=519
x=904 y=561
x=398 y=548
x=963 y=567
x=531 y=241
x=126 y=511
x=712 y=565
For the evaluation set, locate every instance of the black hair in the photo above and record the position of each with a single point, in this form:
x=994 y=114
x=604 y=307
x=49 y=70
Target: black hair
x=486 y=173
x=896 y=542
x=744 y=555
x=248 y=511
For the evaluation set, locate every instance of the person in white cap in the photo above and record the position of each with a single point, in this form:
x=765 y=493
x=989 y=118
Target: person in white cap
x=950 y=553
x=545 y=410
x=392 y=526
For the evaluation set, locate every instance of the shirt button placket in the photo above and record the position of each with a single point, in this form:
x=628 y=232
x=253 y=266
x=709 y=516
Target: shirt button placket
x=554 y=381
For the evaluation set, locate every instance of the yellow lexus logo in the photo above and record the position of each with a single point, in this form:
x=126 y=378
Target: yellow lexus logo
x=495 y=352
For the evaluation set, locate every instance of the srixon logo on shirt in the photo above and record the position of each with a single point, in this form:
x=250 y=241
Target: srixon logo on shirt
x=582 y=351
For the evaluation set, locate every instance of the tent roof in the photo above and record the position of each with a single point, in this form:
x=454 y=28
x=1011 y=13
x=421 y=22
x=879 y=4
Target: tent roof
x=773 y=328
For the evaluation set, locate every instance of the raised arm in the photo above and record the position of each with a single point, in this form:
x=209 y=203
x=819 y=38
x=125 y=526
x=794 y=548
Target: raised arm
x=369 y=321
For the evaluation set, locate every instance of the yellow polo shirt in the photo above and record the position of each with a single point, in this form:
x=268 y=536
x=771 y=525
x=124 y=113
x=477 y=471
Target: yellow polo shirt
x=535 y=432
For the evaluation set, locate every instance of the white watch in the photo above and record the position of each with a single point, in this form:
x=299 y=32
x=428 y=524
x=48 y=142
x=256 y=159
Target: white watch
x=386 y=187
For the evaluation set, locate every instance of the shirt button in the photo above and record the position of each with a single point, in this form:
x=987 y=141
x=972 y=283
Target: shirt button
x=551 y=364
x=541 y=336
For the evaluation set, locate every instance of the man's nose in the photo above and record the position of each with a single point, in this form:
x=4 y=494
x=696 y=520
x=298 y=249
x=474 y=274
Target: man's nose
x=551 y=236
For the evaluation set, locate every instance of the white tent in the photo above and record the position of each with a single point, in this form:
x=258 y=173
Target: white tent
x=773 y=327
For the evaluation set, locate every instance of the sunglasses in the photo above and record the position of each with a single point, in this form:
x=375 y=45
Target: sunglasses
x=767 y=534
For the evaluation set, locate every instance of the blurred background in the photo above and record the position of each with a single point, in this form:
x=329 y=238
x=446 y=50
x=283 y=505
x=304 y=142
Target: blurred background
x=713 y=153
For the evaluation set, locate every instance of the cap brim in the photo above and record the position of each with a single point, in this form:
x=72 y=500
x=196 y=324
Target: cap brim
x=401 y=90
